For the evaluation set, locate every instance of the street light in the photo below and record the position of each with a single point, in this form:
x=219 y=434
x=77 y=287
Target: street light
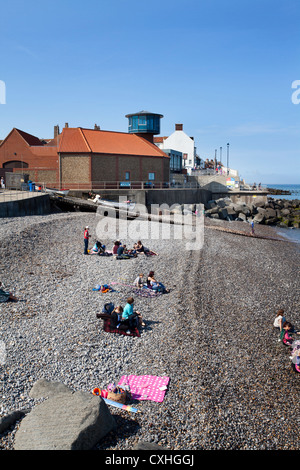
x=227 y=159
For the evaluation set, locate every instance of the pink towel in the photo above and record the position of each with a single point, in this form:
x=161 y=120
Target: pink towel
x=146 y=387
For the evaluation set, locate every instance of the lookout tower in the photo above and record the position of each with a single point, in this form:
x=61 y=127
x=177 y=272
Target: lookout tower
x=144 y=123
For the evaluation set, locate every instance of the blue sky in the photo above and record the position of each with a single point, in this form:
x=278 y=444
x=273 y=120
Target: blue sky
x=224 y=69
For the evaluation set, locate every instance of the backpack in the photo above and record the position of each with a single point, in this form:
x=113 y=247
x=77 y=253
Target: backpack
x=108 y=308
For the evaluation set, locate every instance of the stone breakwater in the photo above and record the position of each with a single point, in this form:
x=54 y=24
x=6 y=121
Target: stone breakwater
x=283 y=213
x=231 y=382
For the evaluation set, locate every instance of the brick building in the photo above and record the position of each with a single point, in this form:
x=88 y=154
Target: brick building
x=80 y=158
x=26 y=153
x=92 y=156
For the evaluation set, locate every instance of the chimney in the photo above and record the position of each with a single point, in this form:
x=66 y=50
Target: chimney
x=178 y=127
x=96 y=127
x=66 y=124
x=56 y=131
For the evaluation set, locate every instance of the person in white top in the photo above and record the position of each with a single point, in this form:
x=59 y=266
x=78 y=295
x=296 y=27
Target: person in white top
x=279 y=320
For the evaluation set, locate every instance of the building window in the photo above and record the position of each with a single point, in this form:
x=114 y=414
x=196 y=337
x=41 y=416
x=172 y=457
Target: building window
x=127 y=175
x=142 y=120
x=151 y=176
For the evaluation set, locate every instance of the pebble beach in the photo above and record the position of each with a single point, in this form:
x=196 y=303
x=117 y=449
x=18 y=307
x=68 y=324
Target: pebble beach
x=231 y=383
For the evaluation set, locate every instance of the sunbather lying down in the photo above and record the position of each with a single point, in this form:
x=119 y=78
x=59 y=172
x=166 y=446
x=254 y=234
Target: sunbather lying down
x=6 y=295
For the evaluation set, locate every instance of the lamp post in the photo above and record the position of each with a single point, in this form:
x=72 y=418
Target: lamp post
x=227 y=159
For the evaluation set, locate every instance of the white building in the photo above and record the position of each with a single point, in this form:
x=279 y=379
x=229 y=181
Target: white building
x=181 y=142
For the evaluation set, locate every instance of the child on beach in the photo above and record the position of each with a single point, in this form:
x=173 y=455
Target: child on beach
x=139 y=281
x=287 y=328
x=116 y=318
x=279 y=320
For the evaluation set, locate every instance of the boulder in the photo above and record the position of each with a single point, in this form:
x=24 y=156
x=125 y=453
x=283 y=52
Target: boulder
x=271 y=221
x=253 y=208
x=65 y=421
x=246 y=210
x=237 y=207
x=259 y=218
x=213 y=210
x=241 y=217
x=270 y=213
x=261 y=210
x=227 y=213
x=221 y=203
x=260 y=203
x=211 y=204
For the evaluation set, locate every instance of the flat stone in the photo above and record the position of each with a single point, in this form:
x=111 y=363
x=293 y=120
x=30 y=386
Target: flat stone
x=45 y=389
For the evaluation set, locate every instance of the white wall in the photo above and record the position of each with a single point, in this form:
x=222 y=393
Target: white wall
x=180 y=141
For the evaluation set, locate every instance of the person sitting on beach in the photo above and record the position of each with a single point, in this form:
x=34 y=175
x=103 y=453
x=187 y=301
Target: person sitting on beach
x=116 y=318
x=287 y=328
x=139 y=281
x=129 y=317
x=97 y=249
x=115 y=247
x=6 y=295
x=279 y=320
x=121 y=249
x=153 y=284
x=140 y=248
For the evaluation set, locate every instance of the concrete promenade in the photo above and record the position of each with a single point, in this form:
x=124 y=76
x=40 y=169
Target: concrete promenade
x=22 y=203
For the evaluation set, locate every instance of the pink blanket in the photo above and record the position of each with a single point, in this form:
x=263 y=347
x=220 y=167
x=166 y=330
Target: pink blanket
x=146 y=387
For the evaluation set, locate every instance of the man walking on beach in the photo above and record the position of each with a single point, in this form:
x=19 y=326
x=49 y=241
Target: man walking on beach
x=86 y=237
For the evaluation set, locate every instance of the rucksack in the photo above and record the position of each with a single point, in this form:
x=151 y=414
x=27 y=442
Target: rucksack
x=108 y=308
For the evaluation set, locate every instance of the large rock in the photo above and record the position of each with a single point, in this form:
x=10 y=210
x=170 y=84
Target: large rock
x=64 y=421
x=270 y=213
x=259 y=218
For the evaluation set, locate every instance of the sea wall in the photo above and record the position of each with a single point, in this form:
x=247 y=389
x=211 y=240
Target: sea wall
x=38 y=205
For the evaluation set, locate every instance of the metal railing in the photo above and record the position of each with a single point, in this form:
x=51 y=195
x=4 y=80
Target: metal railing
x=117 y=185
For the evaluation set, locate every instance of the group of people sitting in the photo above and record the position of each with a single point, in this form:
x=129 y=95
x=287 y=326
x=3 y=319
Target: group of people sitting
x=150 y=283
x=286 y=330
x=126 y=318
x=121 y=251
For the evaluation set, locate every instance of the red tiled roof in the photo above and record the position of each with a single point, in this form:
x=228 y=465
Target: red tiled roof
x=159 y=139
x=79 y=140
x=30 y=139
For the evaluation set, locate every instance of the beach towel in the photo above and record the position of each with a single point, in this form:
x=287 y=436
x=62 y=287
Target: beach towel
x=146 y=292
x=146 y=387
x=109 y=329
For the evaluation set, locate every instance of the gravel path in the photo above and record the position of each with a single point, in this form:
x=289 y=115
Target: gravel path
x=231 y=382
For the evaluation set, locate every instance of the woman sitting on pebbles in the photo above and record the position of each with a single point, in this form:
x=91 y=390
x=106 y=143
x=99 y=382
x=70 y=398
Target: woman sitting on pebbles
x=153 y=284
x=97 y=249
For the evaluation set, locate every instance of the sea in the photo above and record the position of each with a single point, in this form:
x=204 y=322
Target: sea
x=290 y=233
